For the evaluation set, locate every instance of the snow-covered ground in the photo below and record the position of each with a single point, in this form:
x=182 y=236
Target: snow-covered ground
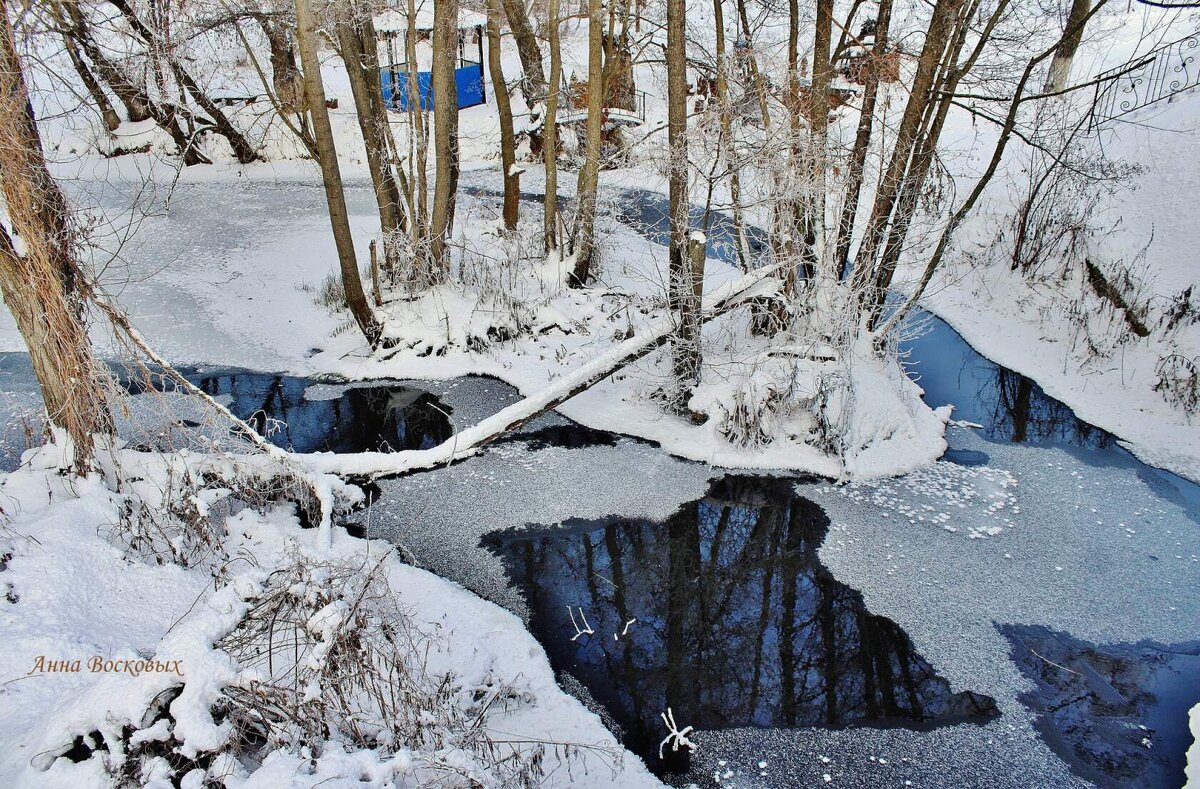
x=75 y=596
x=1193 y=771
x=1148 y=223
x=222 y=269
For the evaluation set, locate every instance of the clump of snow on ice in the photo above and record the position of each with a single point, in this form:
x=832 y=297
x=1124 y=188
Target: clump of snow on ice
x=945 y=495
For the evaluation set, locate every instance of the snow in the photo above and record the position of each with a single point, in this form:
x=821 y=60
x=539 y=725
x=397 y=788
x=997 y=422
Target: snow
x=1149 y=223
x=222 y=272
x=79 y=595
x=393 y=21
x=1193 y=768
x=464 y=441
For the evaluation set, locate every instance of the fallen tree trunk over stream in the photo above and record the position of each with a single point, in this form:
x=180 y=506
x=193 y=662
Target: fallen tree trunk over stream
x=466 y=442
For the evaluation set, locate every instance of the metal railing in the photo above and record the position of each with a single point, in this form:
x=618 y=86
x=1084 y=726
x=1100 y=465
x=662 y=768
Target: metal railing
x=1157 y=76
x=630 y=102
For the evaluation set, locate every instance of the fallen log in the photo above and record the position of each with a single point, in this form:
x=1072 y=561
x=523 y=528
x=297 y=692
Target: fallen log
x=464 y=443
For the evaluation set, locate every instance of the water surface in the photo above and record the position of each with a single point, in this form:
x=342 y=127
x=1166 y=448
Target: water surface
x=725 y=615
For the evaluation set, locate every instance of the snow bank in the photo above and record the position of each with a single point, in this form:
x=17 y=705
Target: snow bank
x=1048 y=322
x=1193 y=755
x=84 y=618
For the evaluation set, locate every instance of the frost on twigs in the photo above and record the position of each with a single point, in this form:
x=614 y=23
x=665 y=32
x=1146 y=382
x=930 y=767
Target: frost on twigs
x=675 y=736
x=174 y=505
x=327 y=661
x=500 y=289
x=586 y=630
x=1179 y=381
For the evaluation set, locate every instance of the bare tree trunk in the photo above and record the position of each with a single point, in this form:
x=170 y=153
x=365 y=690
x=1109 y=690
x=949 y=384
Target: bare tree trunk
x=242 y=148
x=508 y=155
x=137 y=105
x=584 y=231
x=357 y=41
x=862 y=141
x=682 y=286
x=418 y=120
x=285 y=74
x=110 y=117
x=1060 y=66
x=445 y=132
x=818 y=140
x=735 y=181
x=925 y=150
x=285 y=87
x=550 y=143
x=757 y=79
x=533 y=86
x=39 y=281
x=928 y=64
x=790 y=208
x=331 y=176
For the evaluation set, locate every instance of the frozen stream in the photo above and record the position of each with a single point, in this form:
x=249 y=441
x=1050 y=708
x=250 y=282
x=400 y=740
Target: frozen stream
x=1039 y=544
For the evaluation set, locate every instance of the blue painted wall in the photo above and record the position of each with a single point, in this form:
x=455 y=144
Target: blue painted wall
x=468 y=82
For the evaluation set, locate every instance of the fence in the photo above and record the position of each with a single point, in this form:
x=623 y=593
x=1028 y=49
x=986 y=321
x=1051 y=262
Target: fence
x=1166 y=72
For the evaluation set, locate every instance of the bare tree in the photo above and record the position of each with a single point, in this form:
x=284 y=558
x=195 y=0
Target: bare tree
x=684 y=280
x=1008 y=129
x=242 y=149
x=583 y=232
x=1060 y=66
x=418 y=139
x=508 y=156
x=726 y=111
x=285 y=87
x=135 y=98
x=550 y=141
x=285 y=73
x=331 y=176
x=357 y=41
x=40 y=280
x=818 y=132
x=533 y=86
x=109 y=115
x=862 y=140
x=922 y=94
x=445 y=133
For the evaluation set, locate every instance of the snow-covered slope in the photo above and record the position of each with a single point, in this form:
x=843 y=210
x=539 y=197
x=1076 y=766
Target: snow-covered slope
x=73 y=594
x=1051 y=325
x=1193 y=760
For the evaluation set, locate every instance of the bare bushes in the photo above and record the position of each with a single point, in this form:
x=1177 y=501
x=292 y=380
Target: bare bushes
x=327 y=653
x=798 y=386
x=329 y=663
x=174 y=507
x=1179 y=381
x=1056 y=238
x=501 y=289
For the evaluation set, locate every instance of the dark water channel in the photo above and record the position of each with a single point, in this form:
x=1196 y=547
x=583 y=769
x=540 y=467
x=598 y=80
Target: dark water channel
x=1111 y=711
x=1010 y=408
x=376 y=418
x=724 y=614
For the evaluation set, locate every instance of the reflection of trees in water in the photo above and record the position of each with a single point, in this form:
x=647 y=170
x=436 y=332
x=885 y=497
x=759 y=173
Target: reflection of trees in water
x=1021 y=411
x=361 y=419
x=738 y=621
x=1116 y=713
